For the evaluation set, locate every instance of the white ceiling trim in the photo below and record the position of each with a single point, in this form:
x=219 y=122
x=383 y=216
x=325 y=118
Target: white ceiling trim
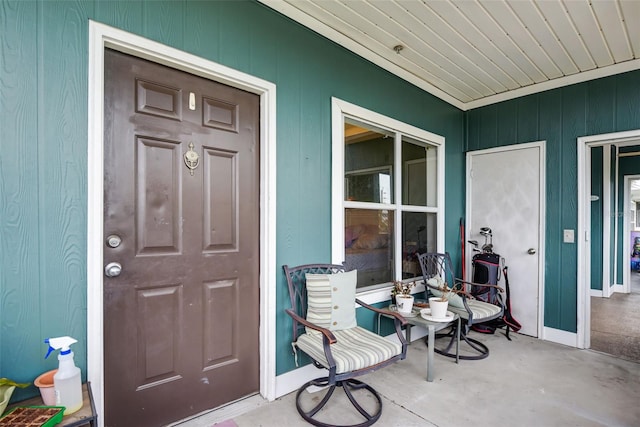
x=356 y=48
x=476 y=53
x=584 y=76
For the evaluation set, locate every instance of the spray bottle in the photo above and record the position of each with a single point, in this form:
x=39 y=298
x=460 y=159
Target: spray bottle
x=66 y=381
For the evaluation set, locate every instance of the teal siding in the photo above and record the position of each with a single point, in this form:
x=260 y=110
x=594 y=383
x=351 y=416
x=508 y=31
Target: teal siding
x=21 y=271
x=550 y=129
x=626 y=105
x=626 y=102
x=601 y=105
x=62 y=169
x=560 y=116
x=43 y=187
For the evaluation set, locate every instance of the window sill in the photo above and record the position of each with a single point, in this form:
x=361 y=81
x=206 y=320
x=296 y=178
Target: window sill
x=382 y=293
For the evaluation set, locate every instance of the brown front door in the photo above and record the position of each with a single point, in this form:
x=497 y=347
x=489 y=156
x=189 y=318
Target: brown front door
x=181 y=218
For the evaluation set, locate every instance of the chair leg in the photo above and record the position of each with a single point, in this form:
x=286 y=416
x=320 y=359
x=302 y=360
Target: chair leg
x=476 y=345
x=346 y=385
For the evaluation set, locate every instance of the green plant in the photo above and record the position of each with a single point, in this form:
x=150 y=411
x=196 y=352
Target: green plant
x=402 y=288
x=6 y=389
x=8 y=382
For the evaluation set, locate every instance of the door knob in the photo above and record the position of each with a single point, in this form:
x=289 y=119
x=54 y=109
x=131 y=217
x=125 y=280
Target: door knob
x=113 y=269
x=531 y=251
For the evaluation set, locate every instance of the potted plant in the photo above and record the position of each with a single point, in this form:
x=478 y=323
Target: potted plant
x=6 y=390
x=400 y=288
x=442 y=294
x=401 y=295
x=438 y=306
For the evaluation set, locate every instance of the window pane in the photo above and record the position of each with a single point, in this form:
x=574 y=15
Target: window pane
x=368 y=164
x=419 y=235
x=419 y=173
x=369 y=245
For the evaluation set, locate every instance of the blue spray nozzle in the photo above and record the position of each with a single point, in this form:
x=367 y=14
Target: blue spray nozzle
x=50 y=348
x=61 y=343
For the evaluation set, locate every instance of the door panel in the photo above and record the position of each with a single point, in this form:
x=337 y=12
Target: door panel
x=157 y=174
x=158 y=335
x=221 y=311
x=220 y=203
x=504 y=195
x=182 y=192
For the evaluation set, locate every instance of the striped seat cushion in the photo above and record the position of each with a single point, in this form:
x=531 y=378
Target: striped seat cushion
x=356 y=348
x=480 y=309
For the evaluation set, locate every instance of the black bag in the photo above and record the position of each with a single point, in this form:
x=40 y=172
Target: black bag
x=486 y=270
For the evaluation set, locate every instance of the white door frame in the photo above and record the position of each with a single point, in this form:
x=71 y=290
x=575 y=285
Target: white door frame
x=100 y=37
x=608 y=208
x=626 y=237
x=541 y=145
x=585 y=143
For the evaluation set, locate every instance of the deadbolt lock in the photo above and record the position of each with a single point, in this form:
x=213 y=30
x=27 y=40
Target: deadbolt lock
x=113 y=241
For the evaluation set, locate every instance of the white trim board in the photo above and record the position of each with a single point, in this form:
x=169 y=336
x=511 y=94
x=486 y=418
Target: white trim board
x=622 y=289
x=607 y=213
x=559 y=336
x=100 y=37
x=583 y=236
x=626 y=240
x=340 y=109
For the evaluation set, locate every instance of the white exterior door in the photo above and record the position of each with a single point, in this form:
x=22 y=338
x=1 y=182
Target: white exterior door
x=505 y=192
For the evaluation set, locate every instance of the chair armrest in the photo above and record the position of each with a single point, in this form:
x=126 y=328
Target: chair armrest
x=484 y=285
x=386 y=312
x=398 y=323
x=326 y=332
x=463 y=294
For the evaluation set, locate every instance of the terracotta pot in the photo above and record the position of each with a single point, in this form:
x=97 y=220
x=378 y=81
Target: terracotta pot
x=45 y=383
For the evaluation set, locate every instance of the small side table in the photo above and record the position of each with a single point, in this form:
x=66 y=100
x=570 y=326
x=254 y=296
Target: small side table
x=84 y=416
x=432 y=328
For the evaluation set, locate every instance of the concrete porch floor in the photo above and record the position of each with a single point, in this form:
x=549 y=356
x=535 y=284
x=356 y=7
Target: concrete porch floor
x=523 y=382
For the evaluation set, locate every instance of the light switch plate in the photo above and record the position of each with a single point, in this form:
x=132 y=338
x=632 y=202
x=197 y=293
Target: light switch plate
x=568 y=236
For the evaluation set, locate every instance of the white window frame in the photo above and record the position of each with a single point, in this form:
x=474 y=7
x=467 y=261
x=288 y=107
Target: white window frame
x=340 y=109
